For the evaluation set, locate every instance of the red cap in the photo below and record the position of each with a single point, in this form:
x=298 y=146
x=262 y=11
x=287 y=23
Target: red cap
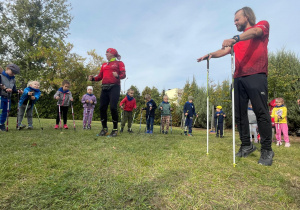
x=114 y=52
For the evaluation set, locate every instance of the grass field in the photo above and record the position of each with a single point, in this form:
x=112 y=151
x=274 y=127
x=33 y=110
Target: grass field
x=53 y=169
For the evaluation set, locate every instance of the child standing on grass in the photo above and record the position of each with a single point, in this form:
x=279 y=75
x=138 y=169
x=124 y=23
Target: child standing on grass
x=150 y=113
x=280 y=114
x=189 y=112
x=219 y=118
x=28 y=99
x=89 y=100
x=127 y=105
x=63 y=97
x=252 y=123
x=165 y=108
x=7 y=87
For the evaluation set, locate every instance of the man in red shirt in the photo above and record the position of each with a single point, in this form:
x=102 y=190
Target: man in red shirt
x=250 y=80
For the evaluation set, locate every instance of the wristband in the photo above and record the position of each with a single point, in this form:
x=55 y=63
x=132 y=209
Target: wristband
x=236 y=38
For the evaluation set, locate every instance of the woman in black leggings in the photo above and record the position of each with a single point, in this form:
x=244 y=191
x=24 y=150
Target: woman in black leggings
x=111 y=73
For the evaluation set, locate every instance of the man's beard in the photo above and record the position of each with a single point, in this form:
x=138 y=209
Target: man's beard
x=242 y=27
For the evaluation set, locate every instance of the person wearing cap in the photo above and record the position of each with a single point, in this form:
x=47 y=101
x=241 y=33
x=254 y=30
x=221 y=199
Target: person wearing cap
x=219 y=119
x=7 y=87
x=88 y=100
x=110 y=74
x=189 y=112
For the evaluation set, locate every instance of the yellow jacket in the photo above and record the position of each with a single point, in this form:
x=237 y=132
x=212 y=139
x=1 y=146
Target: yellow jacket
x=279 y=111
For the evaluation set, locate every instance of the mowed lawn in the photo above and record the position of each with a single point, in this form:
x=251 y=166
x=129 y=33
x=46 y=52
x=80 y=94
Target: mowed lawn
x=54 y=169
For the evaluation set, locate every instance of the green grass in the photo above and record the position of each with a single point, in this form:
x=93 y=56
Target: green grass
x=53 y=169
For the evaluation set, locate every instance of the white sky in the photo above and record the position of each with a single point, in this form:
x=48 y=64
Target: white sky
x=160 y=40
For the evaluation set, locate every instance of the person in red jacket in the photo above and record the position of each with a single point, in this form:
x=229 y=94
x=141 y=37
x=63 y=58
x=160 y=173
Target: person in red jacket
x=111 y=73
x=127 y=105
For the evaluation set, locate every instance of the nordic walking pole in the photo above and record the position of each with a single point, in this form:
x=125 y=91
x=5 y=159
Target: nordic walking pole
x=73 y=116
x=25 y=112
x=233 y=114
x=171 y=121
x=195 y=119
x=185 y=128
x=121 y=119
x=18 y=110
x=8 y=101
x=38 y=117
x=59 y=117
x=141 y=120
x=207 y=106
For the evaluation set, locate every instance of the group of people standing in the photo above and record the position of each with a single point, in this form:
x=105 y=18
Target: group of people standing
x=250 y=83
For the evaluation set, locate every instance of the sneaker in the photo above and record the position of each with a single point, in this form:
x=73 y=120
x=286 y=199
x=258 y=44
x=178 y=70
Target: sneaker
x=84 y=127
x=30 y=127
x=56 y=127
x=266 y=157
x=20 y=127
x=221 y=136
x=163 y=132
x=287 y=144
x=2 y=127
x=150 y=132
x=121 y=130
x=89 y=127
x=190 y=134
x=166 y=132
x=244 y=151
x=278 y=143
x=114 y=133
x=130 y=130
x=103 y=132
x=217 y=135
x=185 y=133
x=65 y=126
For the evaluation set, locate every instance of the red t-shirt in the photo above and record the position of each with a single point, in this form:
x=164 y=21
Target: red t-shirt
x=251 y=56
x=106 y=72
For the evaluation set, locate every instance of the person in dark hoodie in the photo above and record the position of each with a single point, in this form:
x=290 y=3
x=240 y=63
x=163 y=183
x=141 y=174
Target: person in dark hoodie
x=7 y=87
x=219 y=119
x=29 y=97
x=150 y=113
x=189 y=112
x=63 y=97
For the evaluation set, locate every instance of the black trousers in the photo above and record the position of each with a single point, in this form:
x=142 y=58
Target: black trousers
x=255 y=88
x=64 y=114
x=110 y=97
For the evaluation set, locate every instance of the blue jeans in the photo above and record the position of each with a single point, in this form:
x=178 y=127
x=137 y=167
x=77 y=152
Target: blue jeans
x=3 y=115
x=150 y=121
x=189 y=123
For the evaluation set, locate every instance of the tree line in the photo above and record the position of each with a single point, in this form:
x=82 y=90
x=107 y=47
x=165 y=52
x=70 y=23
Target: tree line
x=33 y=35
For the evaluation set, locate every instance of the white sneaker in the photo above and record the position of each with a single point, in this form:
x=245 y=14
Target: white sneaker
x=278 y=143
x=287 y=144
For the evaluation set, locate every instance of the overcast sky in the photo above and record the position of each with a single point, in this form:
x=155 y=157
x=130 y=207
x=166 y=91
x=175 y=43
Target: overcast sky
x=160 y=40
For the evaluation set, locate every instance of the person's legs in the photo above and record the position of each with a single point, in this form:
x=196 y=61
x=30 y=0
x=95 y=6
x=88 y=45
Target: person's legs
x=114 y=95
x=285 y=132
x=64 y=110
x=190 y=122
x=4 y=110
x=151 y=123
x=21 y=114
x=148 y=123
x=278 y=132
x=167 y=121
x=124 y=119
x=85 y=117
x=257 y=89
x=221 y=129
x=104 y=101
x=57 y=116
x=163 y=122
x=129 y=118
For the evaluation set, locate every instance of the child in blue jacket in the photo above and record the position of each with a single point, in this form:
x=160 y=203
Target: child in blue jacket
x=29 y=97
x=219 y=118
x=189 y=112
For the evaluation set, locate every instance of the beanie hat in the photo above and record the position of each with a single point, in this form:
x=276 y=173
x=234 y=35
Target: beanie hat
x=14 y=68
x=89 y=87
x=219 y=107
x=114 y=52
x=190 y=98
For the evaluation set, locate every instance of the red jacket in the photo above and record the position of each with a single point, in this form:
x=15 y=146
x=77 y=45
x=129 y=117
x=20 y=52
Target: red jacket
x=128 y=105
x=106 y=72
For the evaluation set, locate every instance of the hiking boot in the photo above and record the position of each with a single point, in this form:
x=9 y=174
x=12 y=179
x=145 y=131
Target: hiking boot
x=130 y=130
x=287 y=144
x=66 y=126
x=150 y=132
x=56 y=127
x=166 y=132
x=21 y=126
x=185 y=133
x=266 y=157
x=103 y=132
x=2 y=127
x=190 y=134
x=114 y=133
x=121 y=130
x=244 y=151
